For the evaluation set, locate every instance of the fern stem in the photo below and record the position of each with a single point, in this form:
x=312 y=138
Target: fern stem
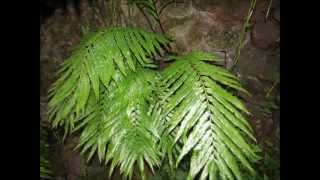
x=161 y=27
x=271 y=89
x=158 y=16
x=165 y=5
x=146 y=17
x=268 y=10
x=243 y=32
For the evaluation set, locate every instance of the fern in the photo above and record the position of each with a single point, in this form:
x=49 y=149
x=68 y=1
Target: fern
x=131 y=115
x=121 y=130
x=206 y=116
x=94 y=63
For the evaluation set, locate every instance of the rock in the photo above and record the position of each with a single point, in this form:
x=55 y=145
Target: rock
x=72 y=161
x=265 y=35
x=260 y=11
x=221 y=17
x=223 y=39
x=210 y=28
x=253 y=85
x=180 y=33
x=268 y=126
x=44 y=112
x=203 y=5
x=276 y=15
x=179 y=10
x=255 y=62
x=96 y=173
x=176 y=14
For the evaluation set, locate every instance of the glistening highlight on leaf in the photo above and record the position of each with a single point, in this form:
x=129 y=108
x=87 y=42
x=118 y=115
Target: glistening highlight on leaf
x=132 y=115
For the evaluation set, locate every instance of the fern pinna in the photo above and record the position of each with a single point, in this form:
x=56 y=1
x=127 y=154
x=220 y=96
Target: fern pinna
x=132 y=115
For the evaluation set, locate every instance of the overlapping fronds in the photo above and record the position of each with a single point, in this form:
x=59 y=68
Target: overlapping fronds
x=95 y=62
x=121 y=130
x=45 y=172
x=133 y=117
x=166 y=145
x=206 y=117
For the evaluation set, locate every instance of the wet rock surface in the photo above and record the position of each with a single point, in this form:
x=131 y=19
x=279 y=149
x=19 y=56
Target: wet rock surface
x=276 y=15
x=211 y=26
x=265 y=35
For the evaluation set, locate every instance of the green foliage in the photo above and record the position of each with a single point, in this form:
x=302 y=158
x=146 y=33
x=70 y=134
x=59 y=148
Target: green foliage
x=96 y=62
x=132 y=116
x=206 y=116
x=121 y=129
x=165 y=172
x=269 y=167
x=45 y=172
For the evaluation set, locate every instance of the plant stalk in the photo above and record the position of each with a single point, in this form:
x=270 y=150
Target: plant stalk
x=243 y=32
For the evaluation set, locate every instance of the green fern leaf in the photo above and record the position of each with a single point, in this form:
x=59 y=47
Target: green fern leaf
x=94 y=64
x=132 y=116
x=207 y=117
x=121 y=132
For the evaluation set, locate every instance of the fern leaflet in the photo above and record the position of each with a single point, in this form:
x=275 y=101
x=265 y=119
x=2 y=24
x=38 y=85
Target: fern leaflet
x=206 y=117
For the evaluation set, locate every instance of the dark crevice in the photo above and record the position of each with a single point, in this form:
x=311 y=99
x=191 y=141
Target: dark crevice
x=48 y=7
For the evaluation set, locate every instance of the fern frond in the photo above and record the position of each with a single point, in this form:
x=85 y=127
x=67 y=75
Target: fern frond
x=166 y=145
x=95 y=62
x=206 y=117
x=132 y=116
x=121 y=130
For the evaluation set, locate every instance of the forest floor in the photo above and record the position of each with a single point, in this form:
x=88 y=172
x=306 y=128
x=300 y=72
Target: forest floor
x=203 y=25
